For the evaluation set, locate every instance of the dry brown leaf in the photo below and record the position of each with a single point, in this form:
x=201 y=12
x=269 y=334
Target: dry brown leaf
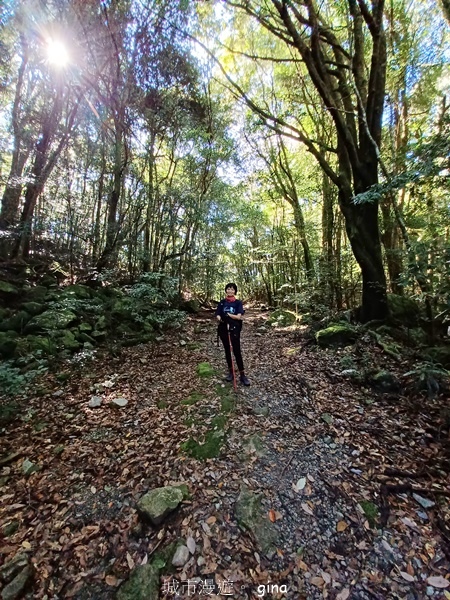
x=438 y=581
x=111 y=580
x=302 y=565
x=326 y=577
x=307 y=509
x=406 y=576
x=344 y=594
x=190 y=543
x=317 y=581
x=272 y=515
x=341 y=526
x=130 y=561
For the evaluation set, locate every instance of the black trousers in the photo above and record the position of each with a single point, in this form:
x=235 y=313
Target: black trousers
x=235 y=336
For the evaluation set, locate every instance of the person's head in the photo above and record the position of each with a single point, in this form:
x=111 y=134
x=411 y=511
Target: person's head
x=231 y=289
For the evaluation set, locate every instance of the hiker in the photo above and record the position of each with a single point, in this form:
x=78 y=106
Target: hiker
x=229 y=314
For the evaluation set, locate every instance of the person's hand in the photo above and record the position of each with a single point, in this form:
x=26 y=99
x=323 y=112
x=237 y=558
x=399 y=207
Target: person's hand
x=219 y=318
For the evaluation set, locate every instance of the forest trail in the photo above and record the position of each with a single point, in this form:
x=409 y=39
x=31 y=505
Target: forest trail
x=333 y=464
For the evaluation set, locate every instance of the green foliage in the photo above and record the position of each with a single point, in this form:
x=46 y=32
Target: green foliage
x=15 y=381
x=428 y=377
x=157 y=289
x=371 y=511
x=8 y=412
x=204 y=369
x=192 y=399
x=12 y=381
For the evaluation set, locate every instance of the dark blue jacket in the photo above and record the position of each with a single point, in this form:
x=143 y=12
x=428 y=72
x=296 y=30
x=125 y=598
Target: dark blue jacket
x=235 y=308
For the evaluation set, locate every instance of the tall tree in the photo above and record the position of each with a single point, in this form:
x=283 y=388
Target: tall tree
x=343 y=51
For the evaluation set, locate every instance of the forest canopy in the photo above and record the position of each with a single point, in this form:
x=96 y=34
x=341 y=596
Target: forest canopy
x=298 y=148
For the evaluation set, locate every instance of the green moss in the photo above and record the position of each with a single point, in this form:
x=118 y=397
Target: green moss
x=204 y=369
x=194 y=346
x=210 y=448
x=371 y=511
x=227 y=402
x=219 y=422
x=192 y=399
x=163 y=558
x=336 y=335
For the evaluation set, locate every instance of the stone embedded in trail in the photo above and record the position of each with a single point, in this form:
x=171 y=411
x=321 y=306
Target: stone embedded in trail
x=119 y=402
x=28 y=467
x=250 y=516
x=143 y=584
x=181 y=556
x=10 y=569
x=95 y=402
x=158 y=503
x=16 y=574
x=16 y=587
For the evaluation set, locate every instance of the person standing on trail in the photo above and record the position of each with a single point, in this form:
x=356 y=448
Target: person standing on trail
x=229 y=314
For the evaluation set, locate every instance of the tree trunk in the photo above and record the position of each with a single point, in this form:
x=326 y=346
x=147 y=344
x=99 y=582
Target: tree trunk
x=361 y=224
x=13 y=189
x=112 y=226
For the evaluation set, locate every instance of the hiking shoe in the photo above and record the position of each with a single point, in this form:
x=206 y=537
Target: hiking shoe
x=243 y=379
x=229 y=377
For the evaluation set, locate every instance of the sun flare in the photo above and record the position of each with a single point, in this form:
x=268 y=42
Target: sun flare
x=57 y=53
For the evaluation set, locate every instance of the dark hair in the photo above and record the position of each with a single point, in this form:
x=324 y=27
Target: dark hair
x=233 y=285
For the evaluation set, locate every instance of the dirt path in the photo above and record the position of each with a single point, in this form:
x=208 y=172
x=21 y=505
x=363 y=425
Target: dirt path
x=315 y=448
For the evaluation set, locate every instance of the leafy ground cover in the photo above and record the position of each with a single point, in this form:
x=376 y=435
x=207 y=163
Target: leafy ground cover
x=352 y=483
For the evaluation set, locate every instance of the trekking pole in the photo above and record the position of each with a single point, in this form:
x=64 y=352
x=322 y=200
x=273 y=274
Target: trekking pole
x=232 y=361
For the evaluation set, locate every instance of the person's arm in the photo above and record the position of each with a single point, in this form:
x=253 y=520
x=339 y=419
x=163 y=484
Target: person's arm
x=239 y=316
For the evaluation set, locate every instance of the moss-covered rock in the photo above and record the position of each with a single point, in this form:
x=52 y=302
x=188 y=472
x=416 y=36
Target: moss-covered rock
x=69 y=340
x=282 y=318
x=8 y=289
x=385 y=381
x=34 y=308
x=84 y=337
x=190 y=306
x=17 y=322
x=51 y=320
x=36 y=294
x=250 y=516
x=404 y=309
x=81 y=292
x=143 y=584
x=160 y=502
x=336 y=335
